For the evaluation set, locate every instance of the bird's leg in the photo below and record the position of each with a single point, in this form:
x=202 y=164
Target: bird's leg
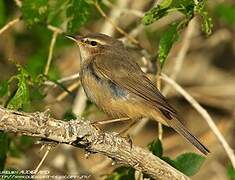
x=130 y=125
x=126 y=129
x=107 y=121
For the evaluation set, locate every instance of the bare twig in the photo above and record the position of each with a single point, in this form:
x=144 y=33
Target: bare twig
x=205 y=115
x=73 y=86
x=51 y=48
x=9 y=24
x=62 y=80
x=111 y=120
x=160 y=131
x=125 y=10
x=80 y=102
x=160 y=128
x=114 y=14
x=82 y=134
x=130 y=38
x=55 y=29
x=43 y=159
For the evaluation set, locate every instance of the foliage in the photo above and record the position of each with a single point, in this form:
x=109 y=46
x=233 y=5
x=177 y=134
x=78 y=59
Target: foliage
x=34 y=12
x=231 y=172
x=188 y=163
x=206 y=20
x=156 y=147
x=21 y=96
x=166 y=42
x=68 y=15
x=28 y=89
x=3 y=88
x=186 y=7
x=69 y=115
x=18 y=100
x=78 y=12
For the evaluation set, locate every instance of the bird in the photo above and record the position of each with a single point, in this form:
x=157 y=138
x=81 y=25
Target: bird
x=114 y=81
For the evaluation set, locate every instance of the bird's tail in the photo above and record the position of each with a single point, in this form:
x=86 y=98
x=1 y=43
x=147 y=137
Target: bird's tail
x=179 y=127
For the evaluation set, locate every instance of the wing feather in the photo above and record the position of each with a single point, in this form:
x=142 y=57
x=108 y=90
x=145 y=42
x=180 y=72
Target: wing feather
x=128 y=75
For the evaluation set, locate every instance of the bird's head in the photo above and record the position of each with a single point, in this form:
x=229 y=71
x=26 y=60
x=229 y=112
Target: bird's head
x=94 y=44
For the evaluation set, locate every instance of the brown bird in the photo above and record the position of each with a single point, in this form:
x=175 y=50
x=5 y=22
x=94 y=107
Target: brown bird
x=116 y=83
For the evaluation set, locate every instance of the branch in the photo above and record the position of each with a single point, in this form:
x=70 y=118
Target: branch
x=51 y=48
x=130 y=38
x=82 y=134
x=9 y=24
x=205 y=115
x=114 y=14
x=62 y=80
x=134 y=12
x=72 y=87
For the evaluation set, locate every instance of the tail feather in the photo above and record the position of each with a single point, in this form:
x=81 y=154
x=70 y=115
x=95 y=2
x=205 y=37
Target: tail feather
x=179 y=127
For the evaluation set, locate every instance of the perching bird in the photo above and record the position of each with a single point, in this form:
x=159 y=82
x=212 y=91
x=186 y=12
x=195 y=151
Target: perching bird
x=116 y=83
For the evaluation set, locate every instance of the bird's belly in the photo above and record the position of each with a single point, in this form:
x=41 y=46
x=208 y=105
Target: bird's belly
x=116 y=101
x=105 y=94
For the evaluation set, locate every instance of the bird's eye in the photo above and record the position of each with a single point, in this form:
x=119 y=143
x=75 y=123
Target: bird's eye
x=93 y=43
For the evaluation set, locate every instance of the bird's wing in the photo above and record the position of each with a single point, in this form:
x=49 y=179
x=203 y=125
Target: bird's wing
x=128 y=75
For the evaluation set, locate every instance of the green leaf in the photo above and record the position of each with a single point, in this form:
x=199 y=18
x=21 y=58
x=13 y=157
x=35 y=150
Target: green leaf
x=69 y=115
x=3 y=88
x=2 y=13
x=189 y=163
x=182 y=3
x=169 y=161
x=77 y=13
x=156 y=147
x=122 y=173
x=35 y=12
x=21 y=97
x=226 y=13
x=184 y=6
x=165 y=3
x=207 y=24
x=154 y=14
x=57 y=12
x=166 y=42
x=231 y=172
x=4 y=143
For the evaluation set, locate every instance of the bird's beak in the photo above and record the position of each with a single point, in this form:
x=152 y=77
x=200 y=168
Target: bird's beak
x=77 y=39
x=73 y=38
